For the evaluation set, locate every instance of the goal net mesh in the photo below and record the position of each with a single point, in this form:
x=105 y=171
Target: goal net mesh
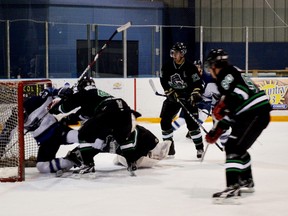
x=18 y=149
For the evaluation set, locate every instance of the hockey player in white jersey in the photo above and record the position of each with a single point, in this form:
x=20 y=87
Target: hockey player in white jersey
x=48 y=132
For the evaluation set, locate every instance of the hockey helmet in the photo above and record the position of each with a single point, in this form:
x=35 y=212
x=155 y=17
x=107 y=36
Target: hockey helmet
x=86 y=83
x=65 y=92
x=197 y=63
x=179 y=46
x=216 y=57
x=117 y=105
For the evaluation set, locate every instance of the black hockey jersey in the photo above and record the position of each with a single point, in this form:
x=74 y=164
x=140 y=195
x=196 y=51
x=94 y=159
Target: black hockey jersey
x=183 y=79
x=88 y=100
x=241 y=94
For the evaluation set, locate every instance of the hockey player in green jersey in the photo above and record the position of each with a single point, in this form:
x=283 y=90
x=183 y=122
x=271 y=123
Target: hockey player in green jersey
x=246 y=110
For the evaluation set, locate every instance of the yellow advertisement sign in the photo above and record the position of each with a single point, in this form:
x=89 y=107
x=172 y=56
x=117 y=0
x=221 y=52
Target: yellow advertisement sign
x=277 y=91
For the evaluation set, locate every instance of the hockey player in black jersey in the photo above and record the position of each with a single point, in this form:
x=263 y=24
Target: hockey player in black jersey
x=180 y=81
x=105 y=119
x=245 y=109
x=210 y=97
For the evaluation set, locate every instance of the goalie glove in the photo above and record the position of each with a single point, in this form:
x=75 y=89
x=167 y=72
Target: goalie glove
x=213 y=135
x=195 y=97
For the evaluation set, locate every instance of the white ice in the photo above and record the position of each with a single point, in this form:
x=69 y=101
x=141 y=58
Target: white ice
x=181 y=186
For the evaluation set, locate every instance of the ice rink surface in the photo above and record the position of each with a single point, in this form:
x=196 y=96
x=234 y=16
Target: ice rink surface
x=182 y=186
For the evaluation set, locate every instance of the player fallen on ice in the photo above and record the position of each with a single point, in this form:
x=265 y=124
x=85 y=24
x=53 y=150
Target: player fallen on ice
x=180 y=81
x=105 y=117
x=245 y=109
x=48 y=132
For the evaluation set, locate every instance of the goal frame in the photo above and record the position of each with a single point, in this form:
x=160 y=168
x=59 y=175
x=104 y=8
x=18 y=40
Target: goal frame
x=21 y=143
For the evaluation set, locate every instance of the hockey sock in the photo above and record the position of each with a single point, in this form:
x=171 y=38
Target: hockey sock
x=233 y=167
x=167 y=134
x=246 y=172
x=196 y=136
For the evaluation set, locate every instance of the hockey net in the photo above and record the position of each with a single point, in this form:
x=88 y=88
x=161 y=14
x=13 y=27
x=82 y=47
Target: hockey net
x=18 y=149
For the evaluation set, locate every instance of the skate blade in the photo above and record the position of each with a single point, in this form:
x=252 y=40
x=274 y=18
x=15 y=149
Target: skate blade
x=247 y=190
x=91 y=175
x=168 y=157
x=59 y=173
x=227 y=201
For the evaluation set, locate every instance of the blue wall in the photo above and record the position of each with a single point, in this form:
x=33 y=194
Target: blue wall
x=102 y=15
x=63 y=35
x=262 y=56
x=67 y=24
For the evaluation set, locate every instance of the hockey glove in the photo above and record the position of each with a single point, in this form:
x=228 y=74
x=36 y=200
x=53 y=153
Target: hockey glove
x=71 y=119
x=195 y=97
x=213 y=135
x=220 y=110
x=171 y=95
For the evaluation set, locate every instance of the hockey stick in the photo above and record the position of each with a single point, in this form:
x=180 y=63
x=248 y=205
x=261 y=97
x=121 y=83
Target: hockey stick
x=199 y=124
x=120 y=29
x=187 y=111
x=154 y=88
x=163 y=95
x=10 y=146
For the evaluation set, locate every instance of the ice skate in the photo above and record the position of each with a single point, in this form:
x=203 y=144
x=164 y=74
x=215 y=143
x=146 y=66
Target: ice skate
x=75 y=157
x=200 y=153
x=84 y=169
x=247 y=186
x=230 y=195
x=171 y=151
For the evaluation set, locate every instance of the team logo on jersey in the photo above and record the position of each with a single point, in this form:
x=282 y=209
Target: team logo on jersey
x=176 y=82
x=102 y=93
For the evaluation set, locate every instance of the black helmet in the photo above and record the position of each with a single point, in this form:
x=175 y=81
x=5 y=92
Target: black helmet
x=179 y=46
x=86 y=83
x=217 y=57
x=197 y=63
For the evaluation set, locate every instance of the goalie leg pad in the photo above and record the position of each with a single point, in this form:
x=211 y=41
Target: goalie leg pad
x=161 y=150
x=120 y=160
x=146 y=162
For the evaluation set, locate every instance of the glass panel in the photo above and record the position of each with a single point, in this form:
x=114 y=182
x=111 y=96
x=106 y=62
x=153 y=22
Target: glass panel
x=62 y=49
x=3 y=66
x=27 y=49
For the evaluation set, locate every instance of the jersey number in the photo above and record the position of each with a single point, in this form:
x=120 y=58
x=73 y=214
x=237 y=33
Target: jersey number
x=250 y=83
x=225 y=83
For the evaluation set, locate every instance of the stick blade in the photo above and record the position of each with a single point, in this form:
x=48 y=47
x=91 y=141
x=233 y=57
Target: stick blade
x=124 y=27
x=152 y=85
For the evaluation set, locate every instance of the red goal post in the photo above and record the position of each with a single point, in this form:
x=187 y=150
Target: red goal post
x=17 y=150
